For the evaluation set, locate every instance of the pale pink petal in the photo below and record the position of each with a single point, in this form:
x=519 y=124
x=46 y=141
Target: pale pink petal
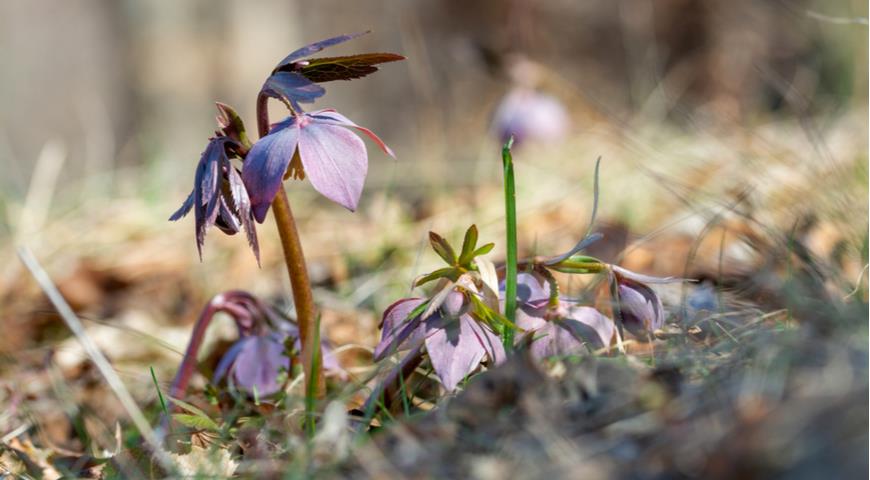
x=335 y=162
x=265 y=165
x=454 y=352
x=331 y=117
x=258 y=364
x=396 y=327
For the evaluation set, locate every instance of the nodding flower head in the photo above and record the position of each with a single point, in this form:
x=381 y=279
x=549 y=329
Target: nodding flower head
x=528 y=115
x=261 y=356
x=219 y=196
x=456 y=340
x=641 y=308
x=563 y=328
x=318 y=145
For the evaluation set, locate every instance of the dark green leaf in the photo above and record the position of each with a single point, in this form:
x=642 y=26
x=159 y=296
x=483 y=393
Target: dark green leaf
x=345 y=68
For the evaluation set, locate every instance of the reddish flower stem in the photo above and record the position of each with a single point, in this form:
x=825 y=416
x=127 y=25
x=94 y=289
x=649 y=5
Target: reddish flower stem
x=296 y=267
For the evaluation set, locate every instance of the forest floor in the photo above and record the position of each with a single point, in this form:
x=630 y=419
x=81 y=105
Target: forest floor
x=761 y=371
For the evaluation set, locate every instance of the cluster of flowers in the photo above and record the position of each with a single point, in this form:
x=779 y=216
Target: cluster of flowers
x=460 y=325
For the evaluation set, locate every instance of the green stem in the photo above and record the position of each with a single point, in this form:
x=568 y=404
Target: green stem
x=296 y=267
x=510 y=204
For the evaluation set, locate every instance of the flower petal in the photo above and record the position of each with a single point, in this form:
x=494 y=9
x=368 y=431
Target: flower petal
x=205 y=190
x=335 y=162
x=243 y=207
x=396 y=327
x=584 y=325
x=488 y=340
x=454 y=351
x=292 y=87
x=265 y=165
x=227 y=360
x=185 y=208
x=641 y=309
x=331 y=117
x=258 y=364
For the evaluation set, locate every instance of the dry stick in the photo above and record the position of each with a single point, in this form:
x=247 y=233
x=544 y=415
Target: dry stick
x=303 y=300
x=100 y=361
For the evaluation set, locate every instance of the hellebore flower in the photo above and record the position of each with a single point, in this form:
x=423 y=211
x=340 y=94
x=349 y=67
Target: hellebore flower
x=641 y=309
x=529 y=115
x=257 y=359
x=456 y=342
x=321 y=147
x=219 y=196
x=559 y=329
x=255 y=362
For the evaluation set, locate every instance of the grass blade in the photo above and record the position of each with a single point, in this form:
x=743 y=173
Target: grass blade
x=510 y=205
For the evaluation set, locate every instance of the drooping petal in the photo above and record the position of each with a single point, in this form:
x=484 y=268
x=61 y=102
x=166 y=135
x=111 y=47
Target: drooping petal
x=243 y=207
x=531 y=288
x=332 y=117
x=226 y=219
x=292 y=87
x=227 y=360
x=258 y=365
x=585 y=325
x=531 y=319
x=205 y=190
x=185 y=208
x=641 y=309
x=264 y=167
x=397 y=326
x=316 y=47
x=488 y=340
x=335 y=162
x=454 y=351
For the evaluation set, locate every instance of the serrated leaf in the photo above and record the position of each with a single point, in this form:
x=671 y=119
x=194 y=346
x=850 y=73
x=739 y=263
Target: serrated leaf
x=442 y=248
x=344 y=68
x=469 y=243
x=316 y=47
x=195 y=421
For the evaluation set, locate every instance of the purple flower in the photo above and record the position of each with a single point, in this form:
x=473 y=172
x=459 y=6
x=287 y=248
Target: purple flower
x=641 y=309
x=219 y=196
x=256 y=362
x=562 y=329
x=320 y=147
x=530 y=115
x=456 y=342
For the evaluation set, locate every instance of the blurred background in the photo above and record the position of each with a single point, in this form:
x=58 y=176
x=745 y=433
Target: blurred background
x=130 y=83
x=723 y=128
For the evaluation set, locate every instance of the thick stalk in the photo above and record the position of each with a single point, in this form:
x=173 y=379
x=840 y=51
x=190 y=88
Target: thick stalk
x=295 y=260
